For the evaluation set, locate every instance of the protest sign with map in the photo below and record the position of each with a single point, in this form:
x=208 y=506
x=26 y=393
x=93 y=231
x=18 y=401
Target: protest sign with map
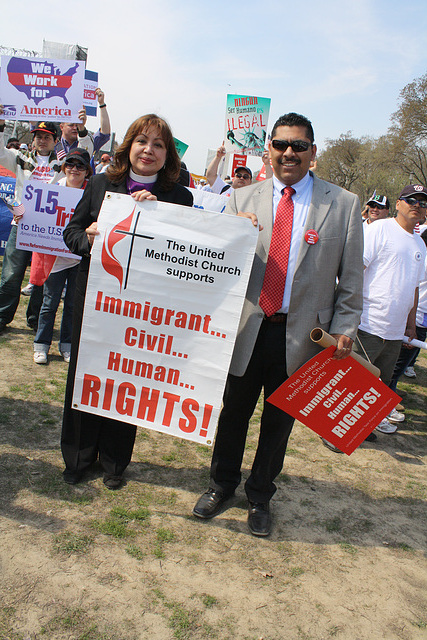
x=41 y=89
x=163 y=302
x=246 y=120
x=7 y=191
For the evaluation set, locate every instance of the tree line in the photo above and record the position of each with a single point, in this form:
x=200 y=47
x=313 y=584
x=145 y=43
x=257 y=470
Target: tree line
x=386 y=163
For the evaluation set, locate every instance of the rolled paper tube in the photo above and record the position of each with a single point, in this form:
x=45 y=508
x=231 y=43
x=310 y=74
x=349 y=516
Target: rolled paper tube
x=326 y=340
x=415 y=343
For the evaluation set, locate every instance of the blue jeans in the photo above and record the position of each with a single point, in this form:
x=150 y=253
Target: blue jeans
x=15 y=262
x=51 y=298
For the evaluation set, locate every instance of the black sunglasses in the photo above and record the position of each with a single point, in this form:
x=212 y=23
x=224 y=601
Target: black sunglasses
x=374 y=205
x=75 y=165
x=412 y=201
x=296 y=145
x=245 y=175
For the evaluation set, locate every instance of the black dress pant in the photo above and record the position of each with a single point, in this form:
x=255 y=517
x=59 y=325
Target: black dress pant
x=267 y=368
x=86 y=436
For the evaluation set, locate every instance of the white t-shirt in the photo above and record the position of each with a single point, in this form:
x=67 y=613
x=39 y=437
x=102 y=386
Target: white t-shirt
x=422 y=298
x=394 y=262
x=43 y=171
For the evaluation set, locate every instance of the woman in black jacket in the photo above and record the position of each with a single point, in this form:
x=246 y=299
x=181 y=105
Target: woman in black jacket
x=146 y=166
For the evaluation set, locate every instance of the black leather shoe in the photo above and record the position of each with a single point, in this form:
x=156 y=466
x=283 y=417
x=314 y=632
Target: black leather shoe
x=113 y=482
x=72 y=477
x=259 y=518
x=211 y=503
x=371 y=438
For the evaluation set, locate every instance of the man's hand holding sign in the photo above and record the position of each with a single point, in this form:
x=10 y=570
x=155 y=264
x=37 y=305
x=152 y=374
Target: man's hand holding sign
x=340 y=399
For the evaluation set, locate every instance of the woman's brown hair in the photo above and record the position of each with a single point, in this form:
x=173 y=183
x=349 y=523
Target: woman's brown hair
x=169 y=174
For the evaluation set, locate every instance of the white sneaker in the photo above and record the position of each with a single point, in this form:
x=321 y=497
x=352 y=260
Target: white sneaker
x=26 y=291
x=410 y=372
x=395 y=416
x=40 y=357
x=386 y=427
x=66 y=355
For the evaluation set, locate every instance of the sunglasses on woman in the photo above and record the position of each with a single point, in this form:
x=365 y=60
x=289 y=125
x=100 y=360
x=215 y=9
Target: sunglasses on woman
x=75 y=165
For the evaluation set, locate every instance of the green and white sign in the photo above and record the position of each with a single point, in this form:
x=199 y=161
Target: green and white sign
x=246 y=120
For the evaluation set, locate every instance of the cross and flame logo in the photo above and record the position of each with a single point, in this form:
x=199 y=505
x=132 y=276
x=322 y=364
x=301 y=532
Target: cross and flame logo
x=109 y=261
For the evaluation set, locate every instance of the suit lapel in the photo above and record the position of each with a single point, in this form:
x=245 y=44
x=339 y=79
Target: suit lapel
x=317 y=212
x=263 y=206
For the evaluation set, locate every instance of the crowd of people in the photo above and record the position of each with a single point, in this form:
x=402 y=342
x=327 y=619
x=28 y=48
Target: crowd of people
x=320 y=262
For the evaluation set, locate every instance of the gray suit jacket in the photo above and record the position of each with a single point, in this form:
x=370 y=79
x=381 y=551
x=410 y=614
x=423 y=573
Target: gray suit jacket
x=317 y=300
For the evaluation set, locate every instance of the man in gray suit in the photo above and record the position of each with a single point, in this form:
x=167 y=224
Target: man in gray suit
x=322 y=283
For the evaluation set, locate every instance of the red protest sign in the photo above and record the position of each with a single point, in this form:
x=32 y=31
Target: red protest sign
x=261 y=175
x=238 y=161
x=338 y=399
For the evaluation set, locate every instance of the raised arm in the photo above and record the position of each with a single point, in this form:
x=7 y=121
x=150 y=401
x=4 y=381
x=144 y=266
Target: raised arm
x=212 y=170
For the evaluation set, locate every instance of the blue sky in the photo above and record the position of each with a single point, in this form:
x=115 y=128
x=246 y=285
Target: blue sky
x=342 y=64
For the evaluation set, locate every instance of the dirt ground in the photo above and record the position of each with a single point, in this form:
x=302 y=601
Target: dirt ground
x=346 y=558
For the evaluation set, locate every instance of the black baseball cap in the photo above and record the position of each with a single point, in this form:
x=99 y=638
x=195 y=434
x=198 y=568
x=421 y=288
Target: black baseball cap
x=81 y=155
x=413 y=190
x=46 y=127
x=383 y=201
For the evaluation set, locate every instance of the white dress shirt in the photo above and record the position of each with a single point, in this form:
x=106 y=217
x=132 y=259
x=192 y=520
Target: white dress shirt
x=301 y=199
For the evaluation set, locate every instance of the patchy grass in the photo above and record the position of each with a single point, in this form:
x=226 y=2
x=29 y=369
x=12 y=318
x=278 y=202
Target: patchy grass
x=112 y=527
x=135 y=562
x=69 y=542
x=75 y=621
x=348 y=548
x=209 y=601
x=134 y=551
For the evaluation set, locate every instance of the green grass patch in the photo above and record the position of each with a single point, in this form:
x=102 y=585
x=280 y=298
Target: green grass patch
x=116 y=524
x=52 y=485
x=209 y=601
x=421 y=624
x=181 y=622
x=69 y=542
x=76 y=622
x=112 y=527
x=128 y=515
x=333 y=524
x=405 y=547
x=165 y=535
x=134 y=551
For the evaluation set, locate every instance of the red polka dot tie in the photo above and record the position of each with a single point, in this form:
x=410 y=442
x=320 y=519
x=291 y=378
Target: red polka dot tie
x=273 y=287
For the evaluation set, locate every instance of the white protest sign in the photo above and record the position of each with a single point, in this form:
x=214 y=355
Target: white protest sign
x=48 y=209
x=164 y=297
x=246 y=120
x=208 y=200
x=90 y=99
x=41 y=89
